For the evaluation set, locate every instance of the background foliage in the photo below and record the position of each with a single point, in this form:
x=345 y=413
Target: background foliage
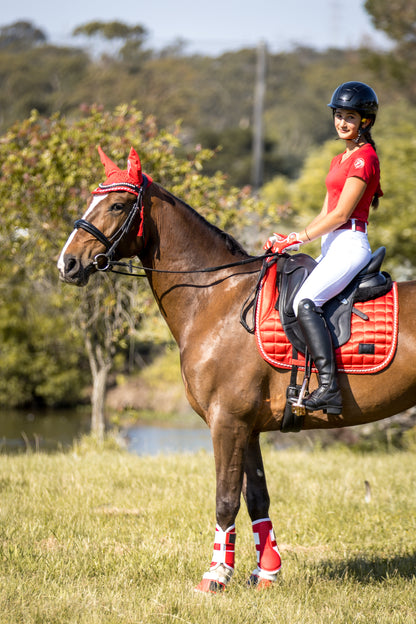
x=189 y=116
x=49 y=165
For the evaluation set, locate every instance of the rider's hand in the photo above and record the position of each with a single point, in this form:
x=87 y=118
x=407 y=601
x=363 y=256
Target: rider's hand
x=272 y=240
x=278 y=243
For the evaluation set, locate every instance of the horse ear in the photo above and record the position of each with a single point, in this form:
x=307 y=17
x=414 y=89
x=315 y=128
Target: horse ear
x=134 y=167
x=109 y=166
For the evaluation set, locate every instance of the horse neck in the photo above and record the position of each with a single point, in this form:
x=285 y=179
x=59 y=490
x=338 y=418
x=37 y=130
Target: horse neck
x=178 y=239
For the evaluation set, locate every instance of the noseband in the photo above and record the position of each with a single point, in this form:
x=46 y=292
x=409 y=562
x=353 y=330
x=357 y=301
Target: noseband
x=103 y=261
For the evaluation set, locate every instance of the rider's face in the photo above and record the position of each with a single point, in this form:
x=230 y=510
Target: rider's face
x=347 y=123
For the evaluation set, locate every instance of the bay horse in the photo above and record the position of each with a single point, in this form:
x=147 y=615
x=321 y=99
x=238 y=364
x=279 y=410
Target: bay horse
x=226 y=380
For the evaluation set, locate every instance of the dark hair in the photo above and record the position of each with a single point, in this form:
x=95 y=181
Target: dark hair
x=367 y=135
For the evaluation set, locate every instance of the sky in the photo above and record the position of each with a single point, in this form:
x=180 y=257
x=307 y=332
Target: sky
x=213 y=27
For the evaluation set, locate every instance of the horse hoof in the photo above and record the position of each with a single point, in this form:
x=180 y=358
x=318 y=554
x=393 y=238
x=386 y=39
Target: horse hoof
x=216 y=580
x=258 y=579
x=208 y=586
x=262 y=584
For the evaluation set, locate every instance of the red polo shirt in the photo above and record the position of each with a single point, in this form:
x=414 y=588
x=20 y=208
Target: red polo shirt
x=363 y=164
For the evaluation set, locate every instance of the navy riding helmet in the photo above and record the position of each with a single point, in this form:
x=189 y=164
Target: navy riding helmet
x=356 y=96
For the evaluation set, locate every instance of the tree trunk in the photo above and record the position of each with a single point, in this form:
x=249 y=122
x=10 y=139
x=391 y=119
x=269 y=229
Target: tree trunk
x=100 y=367
x=99 y=391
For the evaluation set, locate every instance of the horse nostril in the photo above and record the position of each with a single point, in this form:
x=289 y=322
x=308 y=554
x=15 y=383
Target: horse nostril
x=71 y=265
x=71 y=270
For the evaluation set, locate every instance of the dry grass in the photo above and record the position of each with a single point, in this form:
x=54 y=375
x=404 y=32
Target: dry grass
x=106 y=537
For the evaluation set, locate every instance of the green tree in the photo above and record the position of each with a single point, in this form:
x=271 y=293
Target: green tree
x=130 y=38
x=21 y=35
x=396 y=18
x=44 y=78
x=394 y=222
x=41 y=360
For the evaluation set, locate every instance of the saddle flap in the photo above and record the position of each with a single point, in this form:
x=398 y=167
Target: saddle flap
x=291 y=275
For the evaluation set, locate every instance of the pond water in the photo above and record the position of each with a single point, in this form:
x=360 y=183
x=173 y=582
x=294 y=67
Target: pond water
x=145 y=440
x=55 y=430
x=41 y=430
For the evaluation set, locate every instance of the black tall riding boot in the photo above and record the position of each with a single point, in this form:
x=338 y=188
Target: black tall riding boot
x=327 y=396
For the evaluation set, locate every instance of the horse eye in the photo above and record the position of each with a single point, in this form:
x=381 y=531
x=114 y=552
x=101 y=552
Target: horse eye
x=117 y=207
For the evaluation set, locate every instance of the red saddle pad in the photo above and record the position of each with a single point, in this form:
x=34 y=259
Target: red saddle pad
x=378 y=334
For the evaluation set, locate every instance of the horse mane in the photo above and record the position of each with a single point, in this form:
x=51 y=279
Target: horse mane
x=232 y=245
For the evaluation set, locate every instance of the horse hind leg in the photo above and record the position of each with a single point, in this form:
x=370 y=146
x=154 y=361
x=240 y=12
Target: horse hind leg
x=257 y=500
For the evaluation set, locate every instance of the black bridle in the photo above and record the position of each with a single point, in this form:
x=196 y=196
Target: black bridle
x=104 y=261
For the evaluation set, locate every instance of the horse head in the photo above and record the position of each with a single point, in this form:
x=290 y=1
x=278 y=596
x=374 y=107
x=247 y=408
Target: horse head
x=112 y=226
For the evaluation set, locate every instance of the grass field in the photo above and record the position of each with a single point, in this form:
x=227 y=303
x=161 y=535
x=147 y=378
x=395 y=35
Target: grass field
x=106 y=537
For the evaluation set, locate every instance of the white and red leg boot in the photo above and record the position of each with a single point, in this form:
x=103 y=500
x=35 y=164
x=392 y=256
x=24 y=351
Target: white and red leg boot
x=222 y=564
x=268 y=556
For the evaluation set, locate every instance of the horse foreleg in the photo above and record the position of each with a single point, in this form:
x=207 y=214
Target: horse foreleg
x=230 y=444
x=257 y=500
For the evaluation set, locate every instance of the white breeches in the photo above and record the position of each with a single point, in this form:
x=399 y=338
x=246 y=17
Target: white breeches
x=344 y=254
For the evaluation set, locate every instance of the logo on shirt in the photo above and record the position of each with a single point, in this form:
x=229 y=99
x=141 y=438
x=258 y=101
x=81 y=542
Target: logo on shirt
x=359 y=163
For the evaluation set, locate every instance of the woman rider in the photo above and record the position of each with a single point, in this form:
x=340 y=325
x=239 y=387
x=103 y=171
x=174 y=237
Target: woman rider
x=353 y=185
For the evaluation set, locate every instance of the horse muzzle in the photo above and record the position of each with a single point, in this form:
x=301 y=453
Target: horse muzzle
x=72 y=271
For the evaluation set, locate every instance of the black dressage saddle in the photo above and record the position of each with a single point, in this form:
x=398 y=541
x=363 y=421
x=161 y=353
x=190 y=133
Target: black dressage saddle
x=292 y=271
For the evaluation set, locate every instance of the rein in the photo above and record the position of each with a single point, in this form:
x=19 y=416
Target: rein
x=131 y=266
